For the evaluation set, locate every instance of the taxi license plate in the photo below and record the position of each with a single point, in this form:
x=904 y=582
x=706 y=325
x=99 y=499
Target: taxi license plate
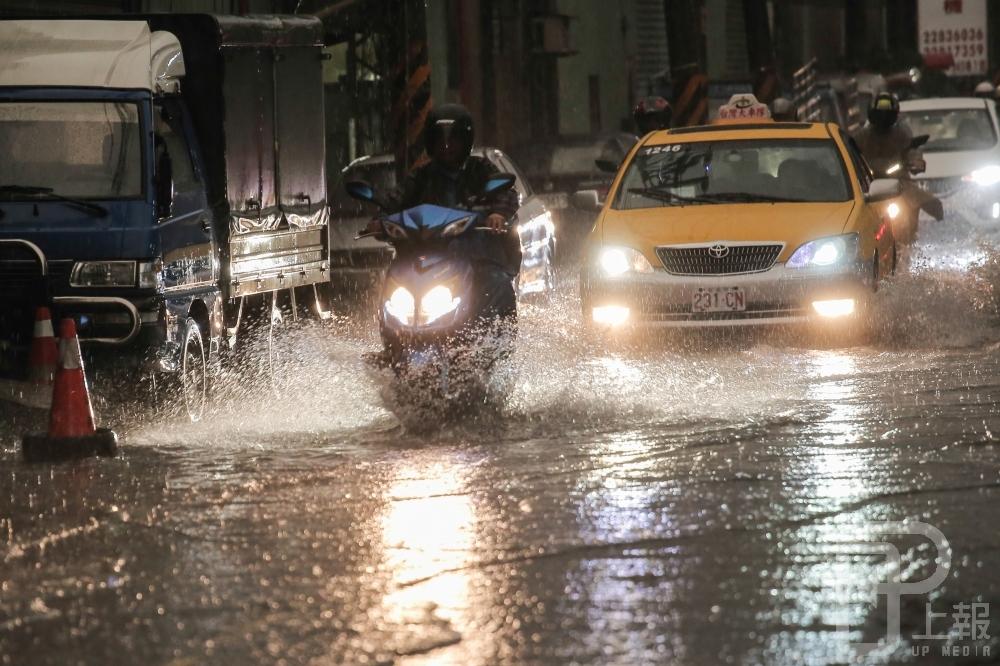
x=724 y=299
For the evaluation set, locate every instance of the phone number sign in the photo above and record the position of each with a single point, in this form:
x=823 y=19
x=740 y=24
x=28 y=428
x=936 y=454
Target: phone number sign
x=956 y=28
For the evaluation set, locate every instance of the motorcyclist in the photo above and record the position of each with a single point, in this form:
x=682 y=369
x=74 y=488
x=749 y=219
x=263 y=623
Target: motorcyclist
x=451 y=177
x=888 y=147
x=652 y=114
x=884 y=142
x=783 y=110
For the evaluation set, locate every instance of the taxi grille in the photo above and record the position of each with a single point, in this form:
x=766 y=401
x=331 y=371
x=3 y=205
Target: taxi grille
x=704 y=260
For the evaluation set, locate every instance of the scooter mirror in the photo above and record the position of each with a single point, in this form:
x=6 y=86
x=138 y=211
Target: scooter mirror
x=919 y=140
x=587 y=200
x=360 y=190
x=499 y=183
x=882 y=189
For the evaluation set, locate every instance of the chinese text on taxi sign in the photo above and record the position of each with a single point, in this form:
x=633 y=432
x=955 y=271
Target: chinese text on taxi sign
x=743 y=107
x=956 y=28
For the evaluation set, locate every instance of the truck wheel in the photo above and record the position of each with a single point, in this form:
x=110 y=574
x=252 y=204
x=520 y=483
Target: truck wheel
x=194 y=371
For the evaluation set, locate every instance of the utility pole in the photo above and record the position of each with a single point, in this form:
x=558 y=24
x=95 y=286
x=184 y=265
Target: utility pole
x=684 y=42
x=760 y=51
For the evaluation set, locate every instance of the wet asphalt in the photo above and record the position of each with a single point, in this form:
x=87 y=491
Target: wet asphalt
x=690 y=500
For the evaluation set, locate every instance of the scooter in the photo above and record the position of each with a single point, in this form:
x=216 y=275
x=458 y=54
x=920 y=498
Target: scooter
x=446 y=321
x=903 y=212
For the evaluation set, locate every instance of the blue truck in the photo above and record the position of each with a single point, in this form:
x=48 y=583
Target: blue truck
x=162 y=181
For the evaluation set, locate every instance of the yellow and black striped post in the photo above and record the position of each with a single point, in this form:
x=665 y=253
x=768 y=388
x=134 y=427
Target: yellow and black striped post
x=412 y=85
x=685 y=42
x=765 y=85
x=690 y=97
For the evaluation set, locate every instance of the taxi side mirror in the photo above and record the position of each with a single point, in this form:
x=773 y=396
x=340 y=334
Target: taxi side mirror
x=882 y=189
x=586 y=200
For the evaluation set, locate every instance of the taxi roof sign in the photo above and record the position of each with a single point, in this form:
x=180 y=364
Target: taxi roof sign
x=744 y=106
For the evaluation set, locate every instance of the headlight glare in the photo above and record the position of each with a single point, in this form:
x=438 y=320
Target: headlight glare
x=825 y=252
x=616 y=261
x=103 y=274
x=436 y=303
x=401 y=305
x=986 y=176
x=892 y=210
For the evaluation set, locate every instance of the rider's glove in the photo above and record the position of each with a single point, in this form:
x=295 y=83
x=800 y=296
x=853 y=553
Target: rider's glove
x=497 y=223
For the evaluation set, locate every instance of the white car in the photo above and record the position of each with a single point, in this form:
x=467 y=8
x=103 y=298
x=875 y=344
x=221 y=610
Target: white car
x=962 y=153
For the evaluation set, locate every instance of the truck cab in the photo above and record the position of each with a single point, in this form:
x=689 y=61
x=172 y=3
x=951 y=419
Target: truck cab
x=163 y=176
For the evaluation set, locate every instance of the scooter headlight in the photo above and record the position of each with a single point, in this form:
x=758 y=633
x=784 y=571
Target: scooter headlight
x=402 y=306
x=436 y=303
x=825 y=252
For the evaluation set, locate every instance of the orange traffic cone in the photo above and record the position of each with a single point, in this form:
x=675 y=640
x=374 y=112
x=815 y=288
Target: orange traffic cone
x=72 y=433
x=44 y=354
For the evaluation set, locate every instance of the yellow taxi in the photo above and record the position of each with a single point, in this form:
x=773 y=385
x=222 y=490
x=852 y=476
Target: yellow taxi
x=746 y=221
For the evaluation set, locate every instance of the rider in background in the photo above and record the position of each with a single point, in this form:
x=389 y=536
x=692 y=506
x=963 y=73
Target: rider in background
x=652 y=114
x=884 y=142
x=784 y=111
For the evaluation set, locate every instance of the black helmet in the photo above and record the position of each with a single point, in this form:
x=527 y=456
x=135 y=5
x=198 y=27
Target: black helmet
x=884 y=111
x=651 y=114
x=448 y=124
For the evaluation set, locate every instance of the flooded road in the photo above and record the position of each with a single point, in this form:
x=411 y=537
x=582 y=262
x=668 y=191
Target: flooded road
x=692 y=502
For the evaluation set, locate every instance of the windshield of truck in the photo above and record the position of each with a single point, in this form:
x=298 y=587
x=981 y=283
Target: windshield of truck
x=749 y=171
x=85 y=150
x=952 y=129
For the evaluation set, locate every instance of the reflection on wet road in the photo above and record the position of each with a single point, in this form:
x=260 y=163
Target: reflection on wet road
x=686 y=503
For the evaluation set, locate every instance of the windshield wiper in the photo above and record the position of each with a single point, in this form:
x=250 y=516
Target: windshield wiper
x=667 y=196
x=49 y=193
x=749 y=197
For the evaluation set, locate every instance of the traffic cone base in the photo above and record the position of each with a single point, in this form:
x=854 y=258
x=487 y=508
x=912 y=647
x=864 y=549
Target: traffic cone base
x=42 y=448
x=71 y=433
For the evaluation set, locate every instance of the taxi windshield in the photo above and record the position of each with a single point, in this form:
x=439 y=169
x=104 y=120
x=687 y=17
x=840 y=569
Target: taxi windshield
x=744 y=171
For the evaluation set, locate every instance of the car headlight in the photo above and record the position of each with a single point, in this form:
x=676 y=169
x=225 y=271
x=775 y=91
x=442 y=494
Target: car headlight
x=986 y=176
x=616 y=261
x=436 y=303
x=402 y=305
x=103 y=274
x=825 y=252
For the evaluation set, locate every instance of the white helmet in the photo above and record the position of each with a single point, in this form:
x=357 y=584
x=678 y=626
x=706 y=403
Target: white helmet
x=985 y=89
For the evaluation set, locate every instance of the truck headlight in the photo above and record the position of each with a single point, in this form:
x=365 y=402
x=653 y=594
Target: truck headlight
x=825 y=252
x=616 y=261
x=436 y=303
x=151 y=274
x=402 y=306
x=103 y=274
